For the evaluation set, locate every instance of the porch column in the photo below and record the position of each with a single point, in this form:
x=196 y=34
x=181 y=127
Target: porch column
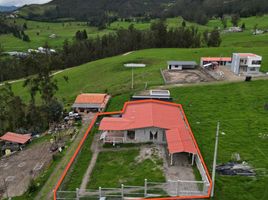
x=171 y=159
x=192 y=159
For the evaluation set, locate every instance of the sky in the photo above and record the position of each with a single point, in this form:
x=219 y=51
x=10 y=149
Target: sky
x=21 y=2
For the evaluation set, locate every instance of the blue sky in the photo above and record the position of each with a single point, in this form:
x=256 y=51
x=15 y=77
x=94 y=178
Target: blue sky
x=21 y=2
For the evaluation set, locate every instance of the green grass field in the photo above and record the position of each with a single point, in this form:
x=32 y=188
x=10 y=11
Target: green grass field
x=110 y=75
x=63 y=31
x=240 y=107
x=115 y=168
x=67 y=30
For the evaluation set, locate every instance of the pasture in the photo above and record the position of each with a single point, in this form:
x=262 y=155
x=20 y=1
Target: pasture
x=39 y=32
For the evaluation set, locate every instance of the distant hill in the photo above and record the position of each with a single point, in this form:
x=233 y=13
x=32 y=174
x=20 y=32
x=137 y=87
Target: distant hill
x=7 y=8
x=193 y=10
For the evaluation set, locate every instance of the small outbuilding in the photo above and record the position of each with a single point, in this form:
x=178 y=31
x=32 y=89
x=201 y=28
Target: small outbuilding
x=163 y=95
x=14 y=142
x=180 y=65
x=91 y=102
x=223 y=61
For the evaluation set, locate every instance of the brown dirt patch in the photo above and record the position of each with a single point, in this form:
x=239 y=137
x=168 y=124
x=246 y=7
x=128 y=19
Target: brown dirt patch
x=18 y=169
x=186 y=76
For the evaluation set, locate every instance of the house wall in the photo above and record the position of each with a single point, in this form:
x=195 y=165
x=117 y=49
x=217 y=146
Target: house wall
x=143 y=135
x=180 y=67
x=235 y=64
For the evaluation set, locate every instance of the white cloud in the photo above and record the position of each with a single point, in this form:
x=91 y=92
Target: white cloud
x=21 y=2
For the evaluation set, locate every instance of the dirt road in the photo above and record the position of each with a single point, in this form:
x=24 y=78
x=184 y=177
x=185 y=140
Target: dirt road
x=47 y=190
x=17 y=170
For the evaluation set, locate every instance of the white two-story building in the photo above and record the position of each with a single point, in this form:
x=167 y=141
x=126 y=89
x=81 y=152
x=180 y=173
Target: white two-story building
x=246 y=63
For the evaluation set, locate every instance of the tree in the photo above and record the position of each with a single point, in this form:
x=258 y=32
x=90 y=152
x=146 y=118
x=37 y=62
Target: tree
x=12 y=110
x=255 y=28
x=26 y=38
x=44 y=84
x=183 y=24
x=243 y=26
x=214 y=38
x=159 y=32
x=25 y=26
x=235 y=19
x=224 y=21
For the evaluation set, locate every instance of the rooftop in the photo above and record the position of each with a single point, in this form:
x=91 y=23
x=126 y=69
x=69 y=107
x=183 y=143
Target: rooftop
x=152 y=113
x=16 y=138
x=182 y=63
x=247 y=54
x=90 y=98
x=215 y=59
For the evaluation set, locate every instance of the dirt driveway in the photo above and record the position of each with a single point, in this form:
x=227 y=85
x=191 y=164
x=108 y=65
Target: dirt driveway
x=17 y=170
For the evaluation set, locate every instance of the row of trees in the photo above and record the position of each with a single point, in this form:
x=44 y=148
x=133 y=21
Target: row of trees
x=124 y=40
x=84 y=49
x=15 y=115
x=102 y=12
x=36 y=115
x=16 y=30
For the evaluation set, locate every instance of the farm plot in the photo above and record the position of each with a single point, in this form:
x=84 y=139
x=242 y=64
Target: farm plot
x=16 y=171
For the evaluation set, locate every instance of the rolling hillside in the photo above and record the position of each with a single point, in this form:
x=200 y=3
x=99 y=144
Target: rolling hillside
x=66 y=30
x=109 y=74
x=193 y=10
x=239 y=107
x=7 y=8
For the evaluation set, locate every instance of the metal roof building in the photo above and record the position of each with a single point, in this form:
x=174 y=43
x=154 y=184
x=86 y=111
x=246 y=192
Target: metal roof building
x=179 y=65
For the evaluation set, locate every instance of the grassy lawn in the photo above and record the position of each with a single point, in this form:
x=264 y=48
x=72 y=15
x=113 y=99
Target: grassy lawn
x=63 y=31
x=75 y=175
x=115 y=168
x=240 y=109
x=109 y=75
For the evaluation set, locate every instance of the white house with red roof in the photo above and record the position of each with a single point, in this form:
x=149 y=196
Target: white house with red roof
x=246 y=63
x=223 y=61
x=90 y=102
x=150 y=121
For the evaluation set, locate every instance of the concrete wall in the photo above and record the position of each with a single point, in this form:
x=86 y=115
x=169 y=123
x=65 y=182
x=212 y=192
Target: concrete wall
x=181 y=67
x=143 y=135
x=235 y=64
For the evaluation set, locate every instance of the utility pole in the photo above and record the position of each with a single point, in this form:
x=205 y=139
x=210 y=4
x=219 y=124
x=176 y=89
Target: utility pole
x=132 y=82
x=215 y=159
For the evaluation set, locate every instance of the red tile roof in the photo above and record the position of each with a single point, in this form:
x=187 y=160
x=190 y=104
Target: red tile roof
x=90 y=98
x=16 y=138
x=154 y=114
x=215 y=59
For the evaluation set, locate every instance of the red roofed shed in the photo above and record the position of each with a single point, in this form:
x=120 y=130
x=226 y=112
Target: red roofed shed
x=16 y=138
x=91 y=102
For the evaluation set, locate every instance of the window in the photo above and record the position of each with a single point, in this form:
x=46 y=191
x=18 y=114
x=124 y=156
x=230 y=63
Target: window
x=131 y=135
x=252 y=69
x=256 y=62
x=153 y=135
